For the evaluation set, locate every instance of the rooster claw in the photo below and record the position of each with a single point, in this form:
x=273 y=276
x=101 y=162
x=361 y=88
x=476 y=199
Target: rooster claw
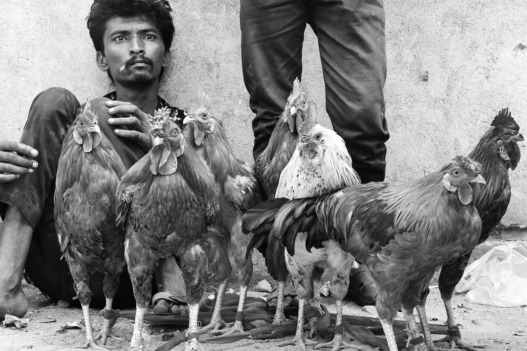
x=455 y=341
x=336 y=344
x=237 y=327
x=92 y=345
x=299 y=342
x=213 y=327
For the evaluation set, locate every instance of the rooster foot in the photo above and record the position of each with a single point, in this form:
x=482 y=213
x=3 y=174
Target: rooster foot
x=299 y=341
x=455 y=342
x=105 y=334
x=91 y=344
x=213 y=327
x=279 y=318
x=337 y=343
x=237 y=327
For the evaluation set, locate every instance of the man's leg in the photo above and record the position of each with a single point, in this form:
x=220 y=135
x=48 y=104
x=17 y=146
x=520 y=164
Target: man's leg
x=272 y=38
x=171 y=288
x=15 y=238
x=352 y=50
x=24 y=202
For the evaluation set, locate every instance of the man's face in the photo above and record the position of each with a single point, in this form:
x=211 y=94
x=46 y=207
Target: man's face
x=134 y=52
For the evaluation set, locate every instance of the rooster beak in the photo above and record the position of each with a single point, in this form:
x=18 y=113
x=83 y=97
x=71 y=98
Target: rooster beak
x=478 y=179
x=519 y=137
x=188 y=119
x=95 y=129
x=293 y=110
x=157 y=141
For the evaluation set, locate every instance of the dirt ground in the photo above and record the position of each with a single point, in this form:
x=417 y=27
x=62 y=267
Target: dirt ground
x=498 y=329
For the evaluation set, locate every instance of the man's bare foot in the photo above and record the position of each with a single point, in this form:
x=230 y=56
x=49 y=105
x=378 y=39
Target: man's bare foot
x=12 y=301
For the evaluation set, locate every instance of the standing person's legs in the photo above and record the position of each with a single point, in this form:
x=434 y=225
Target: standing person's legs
x=352 y=49
x=272 y=38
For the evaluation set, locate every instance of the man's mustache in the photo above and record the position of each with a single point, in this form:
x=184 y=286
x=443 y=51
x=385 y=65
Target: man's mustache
x=137 y=59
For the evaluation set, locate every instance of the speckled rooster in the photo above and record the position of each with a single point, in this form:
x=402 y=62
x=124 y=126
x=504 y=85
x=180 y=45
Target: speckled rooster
x=239 y=191
x=320 y=165
x=167 y=201
x=89 y=170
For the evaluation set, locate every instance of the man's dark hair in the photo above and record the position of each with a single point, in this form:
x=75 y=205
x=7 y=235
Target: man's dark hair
x=156 y=10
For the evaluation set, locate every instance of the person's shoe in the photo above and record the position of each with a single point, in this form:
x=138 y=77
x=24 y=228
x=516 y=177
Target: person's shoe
x=362 y=289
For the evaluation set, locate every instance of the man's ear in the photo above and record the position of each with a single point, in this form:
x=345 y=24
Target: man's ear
x=166 y=59
x=101 y=62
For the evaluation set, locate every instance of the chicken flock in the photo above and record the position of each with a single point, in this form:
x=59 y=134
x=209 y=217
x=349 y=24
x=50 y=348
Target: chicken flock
x=301 y=205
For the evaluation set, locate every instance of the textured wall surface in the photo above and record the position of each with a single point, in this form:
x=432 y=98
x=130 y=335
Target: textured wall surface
x=451 y=67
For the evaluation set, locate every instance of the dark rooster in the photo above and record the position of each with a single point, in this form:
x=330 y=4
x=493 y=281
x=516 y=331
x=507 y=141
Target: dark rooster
x=401 y=232
x=497 y=151
x=168 y=200
x=239 y=192
x=89 y=170
x=269 y=166
x=320 y=165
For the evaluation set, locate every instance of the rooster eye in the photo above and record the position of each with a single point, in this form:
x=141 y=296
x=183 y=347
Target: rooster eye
x=456 y=172
x=318 y=136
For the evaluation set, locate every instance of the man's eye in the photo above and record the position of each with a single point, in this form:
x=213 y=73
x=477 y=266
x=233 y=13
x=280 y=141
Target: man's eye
x=119 y=38
x=150 y=37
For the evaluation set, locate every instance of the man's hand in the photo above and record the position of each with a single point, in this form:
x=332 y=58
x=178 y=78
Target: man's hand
x=15 y=160
x=126 y=114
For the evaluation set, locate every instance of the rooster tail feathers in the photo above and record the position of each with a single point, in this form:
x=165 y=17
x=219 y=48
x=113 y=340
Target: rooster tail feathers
x=256 y=242
x=262 y=214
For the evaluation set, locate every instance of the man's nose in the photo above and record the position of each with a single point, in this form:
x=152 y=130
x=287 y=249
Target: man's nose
x=136 y=46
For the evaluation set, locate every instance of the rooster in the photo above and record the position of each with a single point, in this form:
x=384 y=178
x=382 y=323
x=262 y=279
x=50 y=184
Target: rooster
x=320 y=165
x=89 y=170
x=268 y=168
x=401 y=232
x=239 y=192
x=497 y=151
x=167 y=201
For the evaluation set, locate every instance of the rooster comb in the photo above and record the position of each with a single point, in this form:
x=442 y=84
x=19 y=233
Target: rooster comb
x=87 y=112
x=467 y=163
x=310 y=119
x=504 y=119
x=161 y=118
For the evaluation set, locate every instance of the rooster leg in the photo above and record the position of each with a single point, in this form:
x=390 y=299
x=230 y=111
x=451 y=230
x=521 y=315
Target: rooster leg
x=426 y=328
x=337 y=342
x=299 y=336
x=414 y=334
x=110 y=318
x=192 y=332
x=454 y=336
x=216 y=322
x=315 y=301
x=136 y=344
x=237 y=327
x=279 y=316
x=90 y=341
x=388 y=332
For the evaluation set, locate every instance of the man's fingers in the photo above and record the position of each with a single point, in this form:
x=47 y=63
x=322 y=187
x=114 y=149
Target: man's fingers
x=19 y=148
x=6 y=178
x=13 y=159
x=124 y=121
x=131 y=134
x=9 y=168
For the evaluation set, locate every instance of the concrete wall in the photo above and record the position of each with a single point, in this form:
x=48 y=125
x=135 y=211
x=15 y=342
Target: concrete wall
x=452 y=65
